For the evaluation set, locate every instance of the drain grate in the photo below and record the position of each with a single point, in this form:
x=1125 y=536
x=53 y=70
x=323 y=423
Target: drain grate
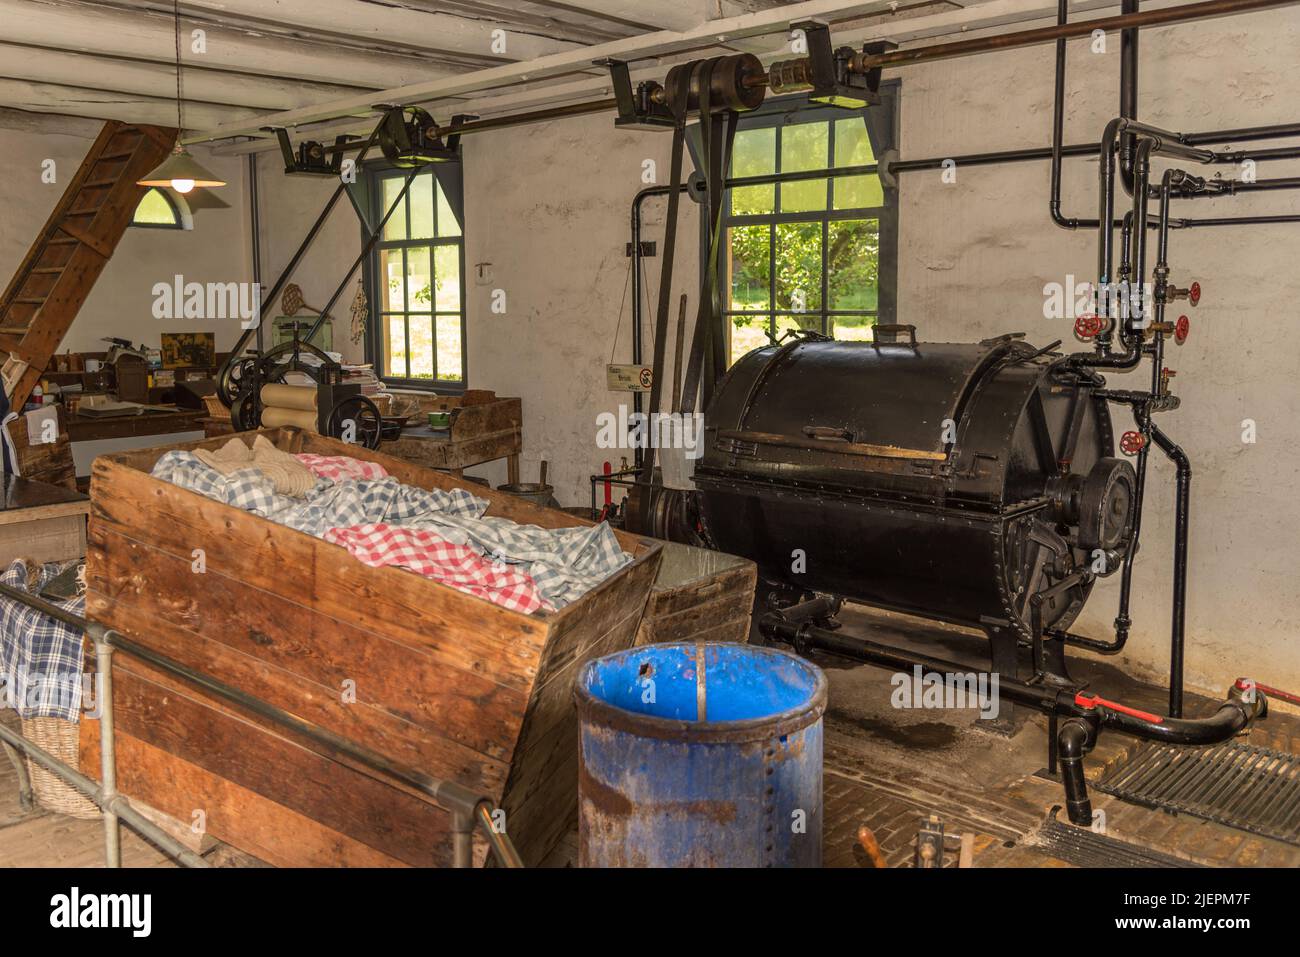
x=1085 y=848
x=1240 y=785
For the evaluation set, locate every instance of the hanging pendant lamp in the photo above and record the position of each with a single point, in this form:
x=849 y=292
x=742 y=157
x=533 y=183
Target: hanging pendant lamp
x=180 y=171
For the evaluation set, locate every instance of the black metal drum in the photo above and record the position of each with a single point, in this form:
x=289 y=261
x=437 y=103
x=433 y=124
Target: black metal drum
x=948 y=480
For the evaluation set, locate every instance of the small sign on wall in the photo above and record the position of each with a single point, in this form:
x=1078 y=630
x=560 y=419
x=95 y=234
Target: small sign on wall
x=629 y=378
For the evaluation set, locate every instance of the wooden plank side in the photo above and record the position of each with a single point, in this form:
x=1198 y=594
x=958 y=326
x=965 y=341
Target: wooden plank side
x=607 y=623
x=398 y=740
x=269 y=831
x=687 y=624
x=480 y=636
x=390 y=820
x=470 y=709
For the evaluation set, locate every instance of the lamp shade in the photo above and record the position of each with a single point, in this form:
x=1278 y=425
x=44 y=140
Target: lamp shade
x=181 y=172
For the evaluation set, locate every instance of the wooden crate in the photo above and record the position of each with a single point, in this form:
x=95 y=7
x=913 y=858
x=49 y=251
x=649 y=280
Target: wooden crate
x=699 y=595
x=444 y=682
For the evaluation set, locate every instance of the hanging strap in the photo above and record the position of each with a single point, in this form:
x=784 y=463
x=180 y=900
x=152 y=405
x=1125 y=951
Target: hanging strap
x=706 y=341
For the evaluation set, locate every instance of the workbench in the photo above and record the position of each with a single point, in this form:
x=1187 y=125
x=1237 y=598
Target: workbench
x=479 y=432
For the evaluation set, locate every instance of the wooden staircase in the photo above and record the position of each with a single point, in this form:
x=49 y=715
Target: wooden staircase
x=60 y=269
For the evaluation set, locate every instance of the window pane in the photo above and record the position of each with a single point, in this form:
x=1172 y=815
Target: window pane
x=449 y=348
x=421 y=347
x=853 y=264
x=419 y=280
x=750 y=269
x=804 y=146
x=853 y=328
x=747 y=333
x=395 y=346
x=446 y=270
x=390 y=276
x=154 y=210
x=395 y=228
x=799 y=267
x=858 y=192
x=754 y=154
x=447 y=224
x=852 y=145
x=421 y=200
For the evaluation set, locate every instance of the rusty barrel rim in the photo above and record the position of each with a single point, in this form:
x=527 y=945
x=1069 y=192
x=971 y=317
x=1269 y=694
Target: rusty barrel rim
x=596 y=711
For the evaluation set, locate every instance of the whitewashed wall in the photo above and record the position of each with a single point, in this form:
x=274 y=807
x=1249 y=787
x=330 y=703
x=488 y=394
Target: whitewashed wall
x=976 y=255
x=121 y=303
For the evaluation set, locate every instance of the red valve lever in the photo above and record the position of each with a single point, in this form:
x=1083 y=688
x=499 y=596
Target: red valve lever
x=1182 y=329
x=1194 y=293
x=1091 y=701
x=1131 y=443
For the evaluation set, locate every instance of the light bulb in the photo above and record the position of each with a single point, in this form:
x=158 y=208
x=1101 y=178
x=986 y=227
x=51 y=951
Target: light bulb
x=182 y=185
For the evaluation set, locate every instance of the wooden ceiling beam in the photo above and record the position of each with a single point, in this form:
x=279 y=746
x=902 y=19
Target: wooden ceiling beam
x=638 y=48
x=149 y=36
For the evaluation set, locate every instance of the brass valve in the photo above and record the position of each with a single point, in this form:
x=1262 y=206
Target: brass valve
x=1179 y=330
x=1165 y=376
x=1192 y=293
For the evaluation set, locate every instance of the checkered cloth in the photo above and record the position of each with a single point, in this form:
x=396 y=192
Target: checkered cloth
x=457 y=566
x=40 y=657
x=564 y=563
x=339 y=467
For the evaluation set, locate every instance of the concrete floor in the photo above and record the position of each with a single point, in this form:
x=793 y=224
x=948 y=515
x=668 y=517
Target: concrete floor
x=884 y=767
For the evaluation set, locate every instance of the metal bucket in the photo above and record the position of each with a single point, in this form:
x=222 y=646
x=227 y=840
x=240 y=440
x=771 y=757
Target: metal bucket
x=675 y=771
x=535 y=492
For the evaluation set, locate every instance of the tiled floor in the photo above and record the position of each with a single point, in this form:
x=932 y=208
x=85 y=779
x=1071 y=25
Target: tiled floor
x=887 y=769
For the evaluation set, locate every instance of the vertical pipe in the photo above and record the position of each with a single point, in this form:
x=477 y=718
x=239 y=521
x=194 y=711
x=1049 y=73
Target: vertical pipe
x=1058 y=123
x=462 y=836
x=1182 y=508
x=107 y=754
x=256 y=227
x=1128 y=92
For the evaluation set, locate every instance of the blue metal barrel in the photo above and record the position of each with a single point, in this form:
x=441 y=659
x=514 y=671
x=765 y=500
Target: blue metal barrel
x=700 y=755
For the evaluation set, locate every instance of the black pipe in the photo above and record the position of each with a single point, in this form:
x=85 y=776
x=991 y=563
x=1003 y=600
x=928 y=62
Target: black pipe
x=1182 y=525
x=1128 y=93
x=1232 y=717
x=1071 y=745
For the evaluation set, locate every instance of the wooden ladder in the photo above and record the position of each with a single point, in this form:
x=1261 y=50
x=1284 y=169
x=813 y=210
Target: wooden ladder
x=60 y=269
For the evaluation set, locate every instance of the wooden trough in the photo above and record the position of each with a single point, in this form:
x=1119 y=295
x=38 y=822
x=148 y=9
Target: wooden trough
x=433 y=678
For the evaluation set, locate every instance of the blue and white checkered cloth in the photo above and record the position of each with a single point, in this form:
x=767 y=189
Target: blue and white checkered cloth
x=564 y=563
x=40 y=657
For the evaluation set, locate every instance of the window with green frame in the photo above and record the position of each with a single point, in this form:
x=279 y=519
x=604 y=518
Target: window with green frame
x=808 y=252
x=417 y=283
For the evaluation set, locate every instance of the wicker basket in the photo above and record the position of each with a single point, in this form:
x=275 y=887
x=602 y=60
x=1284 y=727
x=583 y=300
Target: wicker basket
x=216 y=408
x=59 y=738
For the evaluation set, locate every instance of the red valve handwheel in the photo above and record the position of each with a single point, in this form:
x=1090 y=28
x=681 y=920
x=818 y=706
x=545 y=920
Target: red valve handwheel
x=1088 y=326
x=1131 y=443
x=1194 y=293
x=1182 y=329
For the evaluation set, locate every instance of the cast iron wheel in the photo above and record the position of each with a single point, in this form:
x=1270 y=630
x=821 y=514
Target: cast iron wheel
x=367 y=424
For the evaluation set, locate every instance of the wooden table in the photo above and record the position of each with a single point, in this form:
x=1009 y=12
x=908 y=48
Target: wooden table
x=482 y=432
x=89 y=428
x=46 y=523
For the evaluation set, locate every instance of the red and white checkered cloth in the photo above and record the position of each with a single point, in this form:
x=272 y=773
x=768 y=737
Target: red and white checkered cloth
x=457 y=566
x=339 y=468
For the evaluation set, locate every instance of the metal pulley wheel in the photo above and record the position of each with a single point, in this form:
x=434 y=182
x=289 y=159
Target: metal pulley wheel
x=406 y=135
x=1106 y=504
x=244 y=414
x=727 y=87
x=362 y=415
